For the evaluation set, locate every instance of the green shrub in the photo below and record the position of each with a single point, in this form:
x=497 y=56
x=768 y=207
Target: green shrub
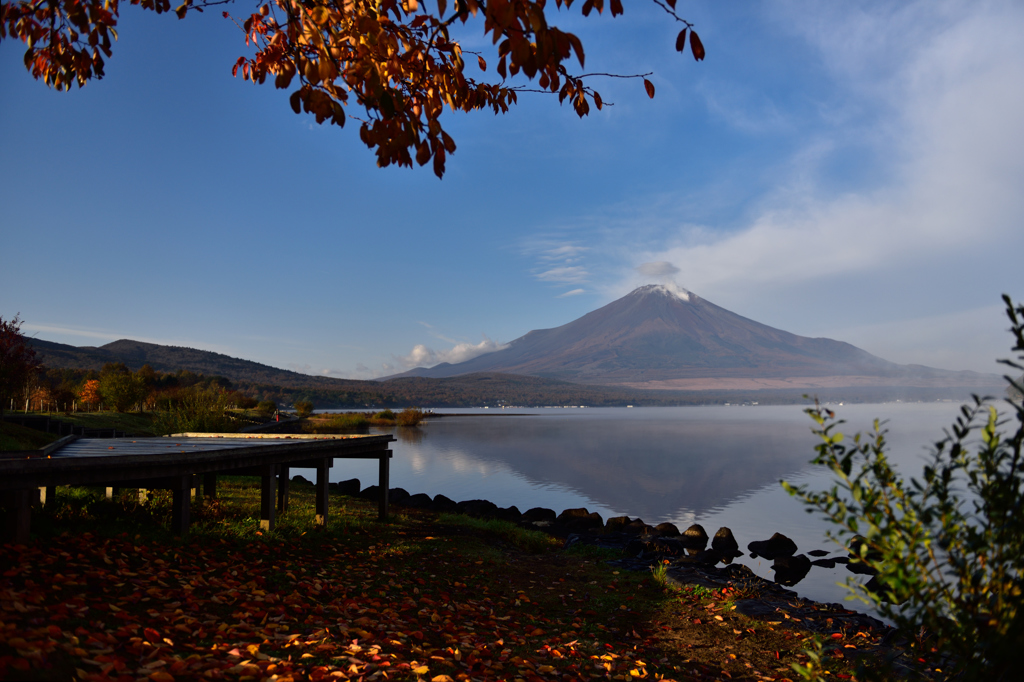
x=265 y=408
x=386 y=415
x=948 y=549
x=122 y=390
x=195 y=411
x=303 y=408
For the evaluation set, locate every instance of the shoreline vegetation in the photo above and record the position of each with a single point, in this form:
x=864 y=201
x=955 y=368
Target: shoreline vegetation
x=347 y=422
x=105 y=592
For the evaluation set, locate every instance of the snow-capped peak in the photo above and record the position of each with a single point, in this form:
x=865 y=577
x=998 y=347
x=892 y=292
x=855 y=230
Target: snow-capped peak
x=667 y=289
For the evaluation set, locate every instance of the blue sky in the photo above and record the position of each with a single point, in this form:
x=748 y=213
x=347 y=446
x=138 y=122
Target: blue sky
x=851 y=170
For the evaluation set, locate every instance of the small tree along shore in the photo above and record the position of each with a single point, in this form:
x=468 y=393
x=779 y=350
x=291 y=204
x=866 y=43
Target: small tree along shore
x=18 y=362
x=947 y=550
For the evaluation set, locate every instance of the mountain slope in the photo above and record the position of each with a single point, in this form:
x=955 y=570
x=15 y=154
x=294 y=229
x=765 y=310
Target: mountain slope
x=661 y=337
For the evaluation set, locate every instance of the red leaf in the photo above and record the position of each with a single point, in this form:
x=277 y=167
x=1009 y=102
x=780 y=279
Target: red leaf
x=681 y=41
x=696 y=46
x=439 y=162
x=649 y=86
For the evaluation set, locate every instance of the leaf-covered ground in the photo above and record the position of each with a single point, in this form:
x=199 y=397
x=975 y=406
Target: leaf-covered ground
x=417 y=598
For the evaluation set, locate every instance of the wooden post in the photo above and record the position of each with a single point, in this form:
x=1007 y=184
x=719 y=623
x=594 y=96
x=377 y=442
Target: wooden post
x=267 y=495
x=180 y=515
x=323 y=471
x=210 y=486
x=384 y=482
x=282 y=488
x=110 y=492
x=18 y=517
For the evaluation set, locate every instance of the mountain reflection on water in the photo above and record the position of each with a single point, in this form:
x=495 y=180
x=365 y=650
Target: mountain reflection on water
x=641 y=467
x=716 y=465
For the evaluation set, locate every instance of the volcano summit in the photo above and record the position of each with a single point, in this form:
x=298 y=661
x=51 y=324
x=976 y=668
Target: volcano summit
x=664 y=337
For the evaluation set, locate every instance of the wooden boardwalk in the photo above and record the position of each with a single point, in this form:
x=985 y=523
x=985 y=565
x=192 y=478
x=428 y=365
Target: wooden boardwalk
x=176 y=463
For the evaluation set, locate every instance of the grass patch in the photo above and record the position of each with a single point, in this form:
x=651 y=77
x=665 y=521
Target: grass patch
x=132 y=423
x=17 y=437
x=659 y=573
x=525 y=540
x=593 y=552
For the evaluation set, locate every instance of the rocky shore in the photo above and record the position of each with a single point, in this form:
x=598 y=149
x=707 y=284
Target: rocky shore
x=690 y=556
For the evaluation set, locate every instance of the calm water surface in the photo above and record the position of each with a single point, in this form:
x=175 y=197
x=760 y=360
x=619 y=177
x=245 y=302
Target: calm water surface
x=716 y=466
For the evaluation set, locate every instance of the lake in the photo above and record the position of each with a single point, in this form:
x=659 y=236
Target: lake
x=715 y=465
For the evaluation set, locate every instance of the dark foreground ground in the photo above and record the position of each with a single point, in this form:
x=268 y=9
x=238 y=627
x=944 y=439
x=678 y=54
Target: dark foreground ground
x=104 y=593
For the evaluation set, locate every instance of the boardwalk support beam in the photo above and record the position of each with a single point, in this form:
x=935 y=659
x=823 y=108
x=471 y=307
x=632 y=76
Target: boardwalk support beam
x=210 y=486
x=282 y=488
x=267 y=496
x=385 y=483
x=181 y=512
x=323 y=490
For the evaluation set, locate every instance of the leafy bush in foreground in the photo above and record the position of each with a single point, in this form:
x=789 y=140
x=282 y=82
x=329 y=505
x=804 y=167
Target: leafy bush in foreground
x=948 y=550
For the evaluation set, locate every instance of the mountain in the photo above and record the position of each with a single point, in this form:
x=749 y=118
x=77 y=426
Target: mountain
x=663 y=337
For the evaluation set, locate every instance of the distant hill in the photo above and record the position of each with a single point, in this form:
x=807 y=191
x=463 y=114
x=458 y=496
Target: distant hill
x=135 y=354
x=665 y=338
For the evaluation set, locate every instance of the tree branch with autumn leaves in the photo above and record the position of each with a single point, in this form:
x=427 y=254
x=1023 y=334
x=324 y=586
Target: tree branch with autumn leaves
x=393 y=59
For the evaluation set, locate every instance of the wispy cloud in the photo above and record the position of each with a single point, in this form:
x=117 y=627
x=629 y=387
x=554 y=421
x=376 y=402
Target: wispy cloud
x=566 y=253
x=574 y=292
x=558 y=262
x=744 y=110
x=564 y=275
